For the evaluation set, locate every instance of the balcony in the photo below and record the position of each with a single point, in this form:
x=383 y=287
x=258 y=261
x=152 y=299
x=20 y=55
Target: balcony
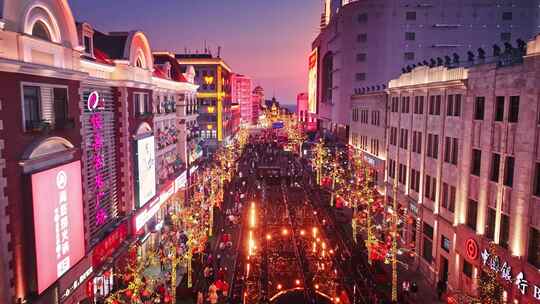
x=44 y=126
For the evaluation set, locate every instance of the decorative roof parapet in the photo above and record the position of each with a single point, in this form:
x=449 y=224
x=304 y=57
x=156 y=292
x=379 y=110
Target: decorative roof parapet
x=533 y=46
x=426 y=75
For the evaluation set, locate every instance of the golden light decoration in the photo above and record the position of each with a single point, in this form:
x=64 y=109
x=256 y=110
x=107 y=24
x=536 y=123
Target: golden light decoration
x=208 y=79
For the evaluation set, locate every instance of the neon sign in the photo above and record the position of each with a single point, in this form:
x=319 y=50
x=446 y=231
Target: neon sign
x=93 y=105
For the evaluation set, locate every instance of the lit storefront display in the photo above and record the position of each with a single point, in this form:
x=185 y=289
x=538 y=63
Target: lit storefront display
x=102 y=285
x=146 y=170
x=58 y=214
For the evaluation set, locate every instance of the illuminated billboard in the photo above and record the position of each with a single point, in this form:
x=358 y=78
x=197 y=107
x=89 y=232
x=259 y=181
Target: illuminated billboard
x=312 y=85
x=58 y=217
x=146 y=170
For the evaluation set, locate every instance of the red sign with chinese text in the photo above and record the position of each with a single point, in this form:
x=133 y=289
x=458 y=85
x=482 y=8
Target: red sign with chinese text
x=58 y=218
x=106 y=247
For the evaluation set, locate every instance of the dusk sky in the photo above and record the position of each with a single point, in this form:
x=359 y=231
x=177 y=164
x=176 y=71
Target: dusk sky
x=268 y=40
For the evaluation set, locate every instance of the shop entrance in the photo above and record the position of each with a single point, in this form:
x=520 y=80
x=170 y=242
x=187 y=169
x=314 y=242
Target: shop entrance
x=443 y=269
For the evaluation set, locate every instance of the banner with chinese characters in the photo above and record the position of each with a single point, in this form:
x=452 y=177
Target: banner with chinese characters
x=58 y=217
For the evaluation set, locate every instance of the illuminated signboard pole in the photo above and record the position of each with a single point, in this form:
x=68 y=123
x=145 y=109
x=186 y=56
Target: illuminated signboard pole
x=93 y=104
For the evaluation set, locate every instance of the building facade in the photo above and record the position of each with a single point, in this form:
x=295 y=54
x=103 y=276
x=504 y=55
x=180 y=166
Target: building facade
x=257 y=102
x=356 y=48
x=213 y=76
x=368 y=131
x=78 y=142
x=308 y=120
x=241 y=95
x=462 y=160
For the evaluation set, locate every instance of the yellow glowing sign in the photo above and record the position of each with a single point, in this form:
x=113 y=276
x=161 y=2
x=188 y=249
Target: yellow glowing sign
x=211 y=109
x=209 y=127
x=208 y=79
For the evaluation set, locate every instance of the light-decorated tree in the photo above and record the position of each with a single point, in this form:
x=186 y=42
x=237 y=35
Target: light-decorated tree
x=489 y=287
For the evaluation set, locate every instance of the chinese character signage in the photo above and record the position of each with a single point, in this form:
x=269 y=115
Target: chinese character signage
x=58 y=218
x=106 y=247
x=504 y=270
x=312 y=85
x=146 y=170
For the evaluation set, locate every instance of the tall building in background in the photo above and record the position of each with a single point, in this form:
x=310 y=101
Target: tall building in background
x=257 y=102
x=364 y=44
x=304 y=116
x=241 y=95
x=213 y=76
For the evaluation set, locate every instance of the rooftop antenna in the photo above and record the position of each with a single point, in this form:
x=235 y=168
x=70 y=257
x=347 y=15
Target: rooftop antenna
x=219 y=52
x=205 y=49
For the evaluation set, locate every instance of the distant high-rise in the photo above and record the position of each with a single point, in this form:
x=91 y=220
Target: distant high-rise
x=366 y=43
x=241 y=95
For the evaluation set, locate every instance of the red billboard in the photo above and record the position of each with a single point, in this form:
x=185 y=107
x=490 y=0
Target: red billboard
x=58 y=221
x=108 y=246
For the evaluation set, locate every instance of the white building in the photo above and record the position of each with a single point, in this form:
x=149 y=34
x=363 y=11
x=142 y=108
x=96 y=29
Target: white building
x=364 y=44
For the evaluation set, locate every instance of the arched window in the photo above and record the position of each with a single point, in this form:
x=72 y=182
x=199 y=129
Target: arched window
x=327 y=82
x=139 y=63
x=41 y=31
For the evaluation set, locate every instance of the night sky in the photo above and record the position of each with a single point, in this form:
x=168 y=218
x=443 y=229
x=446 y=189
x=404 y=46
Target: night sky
x=268 y=40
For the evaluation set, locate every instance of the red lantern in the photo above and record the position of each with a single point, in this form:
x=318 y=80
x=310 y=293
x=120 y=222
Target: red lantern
x=129 y=293
x=146 y=293
x=167 y=299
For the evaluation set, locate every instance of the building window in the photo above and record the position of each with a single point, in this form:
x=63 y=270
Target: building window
x=405 y=101
x=375 y=118
x=361 y=37
x=435 y=105
x=415 y=180
x=87 y=45
x=41 y=31
x=395 y=104
x=418 y=105
x=476 y=162
x=513 y=109
x=479 y=108
x=417 y=142
x=32 y=107
x=410 y=15
x=445 y=243
x=506 y=37
x=507 y=16
x=360 y=76
x=427 y=249
x=361 y=57
x=142 y=104
x=472 y=212
x=534 y=247
x=363 y=18
x=509 y=171
x=408 y=55
x=451 y=150
x=392 y=168
x=537 y=180
x=49 y=109
x=404 y=138
x=433 y=146
x=449 y=197
x=490 y=224
x=495 y=165
x=499 y=108
x=355 y=114
x=393 y=136
x=467 y=269
x=431 y=187
x=453 y=107
x=410 y=36
x=402 y=174
x=327 y=77
x=505 y=230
